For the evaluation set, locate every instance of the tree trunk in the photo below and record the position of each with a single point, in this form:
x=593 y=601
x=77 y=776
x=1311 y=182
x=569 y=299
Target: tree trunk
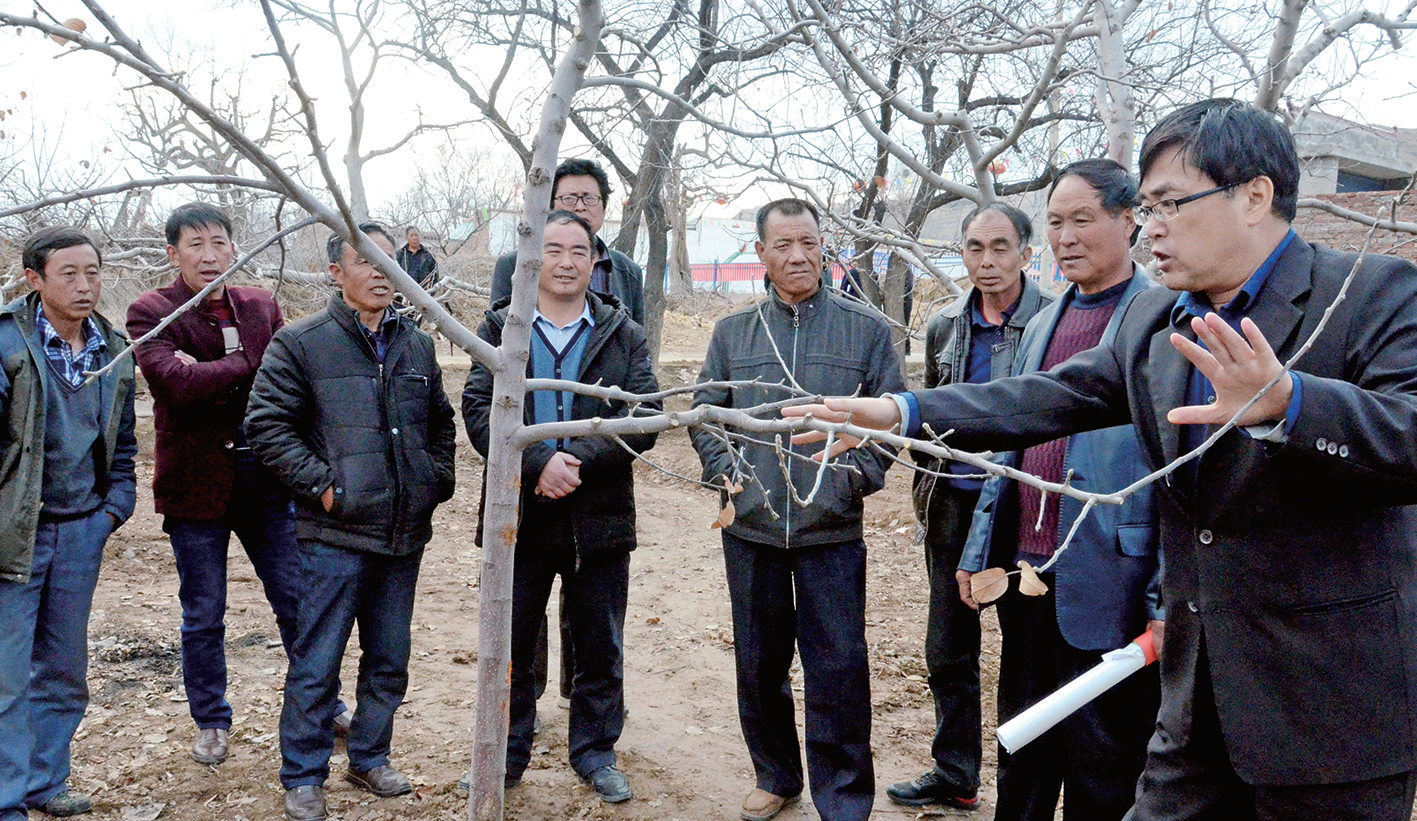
x=503 y=477
x=657 y=224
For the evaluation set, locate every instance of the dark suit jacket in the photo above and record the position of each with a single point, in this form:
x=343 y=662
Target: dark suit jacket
x=198 y=409
x=1291 y=565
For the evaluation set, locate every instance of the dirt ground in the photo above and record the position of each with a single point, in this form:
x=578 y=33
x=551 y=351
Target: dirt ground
x=682 y=748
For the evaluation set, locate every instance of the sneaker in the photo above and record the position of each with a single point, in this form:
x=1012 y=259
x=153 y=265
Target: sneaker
x=66 y=803
x=384 y=781
x=610 y=784
x=931 y=788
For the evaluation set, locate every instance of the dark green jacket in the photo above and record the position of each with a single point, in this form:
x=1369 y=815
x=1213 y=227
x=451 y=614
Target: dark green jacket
x=22 y=385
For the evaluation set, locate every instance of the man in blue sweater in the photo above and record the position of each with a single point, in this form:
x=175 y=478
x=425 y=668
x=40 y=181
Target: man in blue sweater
x=67 y=483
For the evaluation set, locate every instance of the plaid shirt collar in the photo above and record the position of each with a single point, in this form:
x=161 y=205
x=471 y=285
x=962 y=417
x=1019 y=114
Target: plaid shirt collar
x=67 y=362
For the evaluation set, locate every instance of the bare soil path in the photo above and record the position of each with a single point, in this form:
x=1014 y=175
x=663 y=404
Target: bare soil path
x=681 y=748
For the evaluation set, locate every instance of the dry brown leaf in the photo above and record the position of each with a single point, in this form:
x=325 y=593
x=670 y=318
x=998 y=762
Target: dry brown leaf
x=72 y=24
x=725 y=516
x=988 y=585
x=1028 y=583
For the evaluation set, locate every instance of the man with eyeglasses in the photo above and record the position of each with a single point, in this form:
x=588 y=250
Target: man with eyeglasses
x=1289 y=670
x=577 y=502
x=583 y=188
x=67 y=448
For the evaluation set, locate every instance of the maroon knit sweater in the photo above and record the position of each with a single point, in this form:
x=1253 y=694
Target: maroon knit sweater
x=1079 y=328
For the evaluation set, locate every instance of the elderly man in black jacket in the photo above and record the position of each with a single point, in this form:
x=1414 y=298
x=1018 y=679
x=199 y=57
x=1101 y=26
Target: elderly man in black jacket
x=348 y=410
x=797 y=572
x=578 y=500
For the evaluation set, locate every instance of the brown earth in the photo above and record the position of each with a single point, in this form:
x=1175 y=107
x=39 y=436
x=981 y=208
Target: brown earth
x=682 y=748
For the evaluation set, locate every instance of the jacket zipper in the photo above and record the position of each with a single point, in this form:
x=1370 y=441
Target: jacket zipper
x=787 y=498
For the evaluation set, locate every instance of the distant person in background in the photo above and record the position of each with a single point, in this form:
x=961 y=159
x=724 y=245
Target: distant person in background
x=67 y=483
x=416 y=260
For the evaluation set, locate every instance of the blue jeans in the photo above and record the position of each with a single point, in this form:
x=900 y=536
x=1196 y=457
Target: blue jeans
x=261 y=516
x=338 y=588
x=44 y=660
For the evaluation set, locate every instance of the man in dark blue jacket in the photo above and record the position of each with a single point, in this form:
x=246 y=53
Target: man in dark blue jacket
x=67 y=448
x=578 y=500
x=348 y=410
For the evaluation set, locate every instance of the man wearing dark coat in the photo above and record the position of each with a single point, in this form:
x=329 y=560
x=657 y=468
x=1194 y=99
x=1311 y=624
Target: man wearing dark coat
x=1289 y=669
x=578 y=501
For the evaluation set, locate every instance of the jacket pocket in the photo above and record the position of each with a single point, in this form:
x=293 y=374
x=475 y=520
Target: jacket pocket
x=1137 y=541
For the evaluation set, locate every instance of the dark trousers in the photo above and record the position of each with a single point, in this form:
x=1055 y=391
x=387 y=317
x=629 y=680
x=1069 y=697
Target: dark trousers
x=1095 y=755
x=813 y=598
x=44 y=655
x=543 y=651
x=952 y=643
x=340 y=588
x=1189 y=776
x=596 y=588
x=261 y=516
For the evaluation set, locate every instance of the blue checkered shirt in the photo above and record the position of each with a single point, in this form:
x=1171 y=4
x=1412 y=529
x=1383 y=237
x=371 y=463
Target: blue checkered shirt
x=67 y=362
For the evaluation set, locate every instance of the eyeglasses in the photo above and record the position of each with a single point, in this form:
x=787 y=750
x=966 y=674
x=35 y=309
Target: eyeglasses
x=570 y=200
x=1168 y=209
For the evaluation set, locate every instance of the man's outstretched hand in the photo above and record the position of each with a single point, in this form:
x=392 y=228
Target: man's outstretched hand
x=1239 y=367
x=878 y=414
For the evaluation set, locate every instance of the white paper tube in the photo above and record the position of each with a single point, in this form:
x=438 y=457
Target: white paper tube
x=1066 y=700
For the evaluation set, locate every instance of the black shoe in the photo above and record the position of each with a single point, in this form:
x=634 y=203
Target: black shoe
x=931 y=788
x=384 y=781
x=66 y=803
x=508 y=781
x=610 y=784
x=305 y=803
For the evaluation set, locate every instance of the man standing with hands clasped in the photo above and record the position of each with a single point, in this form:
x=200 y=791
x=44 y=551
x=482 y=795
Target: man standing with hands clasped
x=577 y=503
x=1289 y=670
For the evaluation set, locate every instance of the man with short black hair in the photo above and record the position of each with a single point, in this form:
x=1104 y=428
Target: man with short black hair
x=207 y=484
x=797 y=573
x=348 y=411
x=67 y=451
x=583 y=188
x=971 y=340
x=416 y=260
x=1289 y=670
x=577 y=503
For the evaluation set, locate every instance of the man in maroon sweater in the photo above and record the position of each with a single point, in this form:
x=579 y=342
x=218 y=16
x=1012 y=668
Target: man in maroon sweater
x=208 y=484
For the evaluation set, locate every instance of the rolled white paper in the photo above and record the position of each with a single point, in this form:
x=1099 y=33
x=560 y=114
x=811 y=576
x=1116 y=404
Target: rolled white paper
x=1063 y=702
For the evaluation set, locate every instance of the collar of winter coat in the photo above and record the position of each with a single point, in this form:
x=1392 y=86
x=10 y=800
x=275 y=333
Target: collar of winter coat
x=602 y=308
x=793 y=307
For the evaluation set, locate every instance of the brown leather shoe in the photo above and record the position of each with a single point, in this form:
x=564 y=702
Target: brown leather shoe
x=761 y=805
x=210 y=747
